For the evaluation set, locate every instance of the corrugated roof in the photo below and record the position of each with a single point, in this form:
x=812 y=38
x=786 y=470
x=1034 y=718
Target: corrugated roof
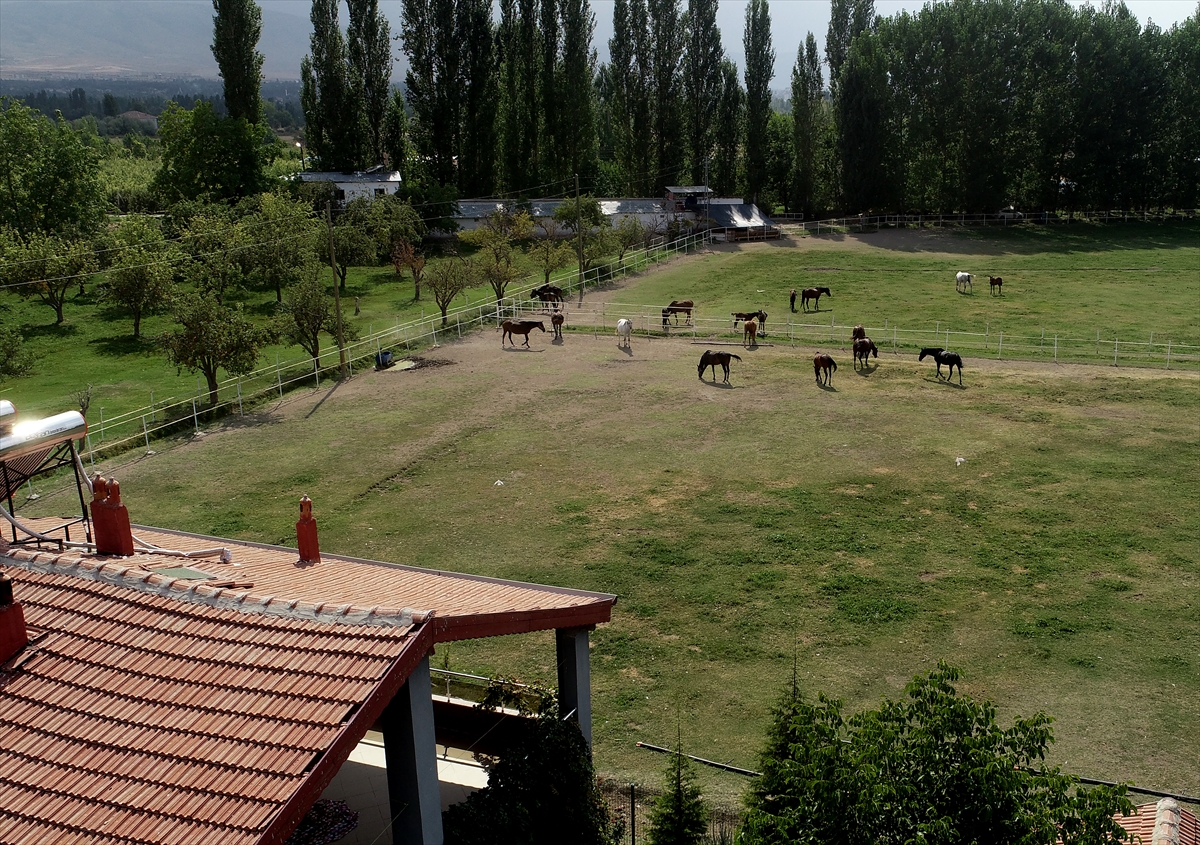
x=335 y=176
x=134 y=716
x=743 y=216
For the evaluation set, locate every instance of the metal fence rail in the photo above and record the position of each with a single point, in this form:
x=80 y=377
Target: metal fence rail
x=875 y=222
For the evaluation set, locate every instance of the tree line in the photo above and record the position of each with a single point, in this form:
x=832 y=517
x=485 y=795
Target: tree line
x=960 y=107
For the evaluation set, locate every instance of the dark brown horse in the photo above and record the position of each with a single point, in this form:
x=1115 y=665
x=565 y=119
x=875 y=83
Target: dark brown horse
x=557 y=319
x=750 y=335
x=524 y=327
x=864 y=348
x=793 y=300
x=941 y=356
x=547 y=294
x=815 y=295
x=677 y=307
x=824 y=365
x=760 y=315
x=996 y=283
x=711 y=359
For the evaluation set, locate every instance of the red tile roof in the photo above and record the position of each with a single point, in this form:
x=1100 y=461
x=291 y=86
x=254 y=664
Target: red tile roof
x=1142 y=825
x=136 y=717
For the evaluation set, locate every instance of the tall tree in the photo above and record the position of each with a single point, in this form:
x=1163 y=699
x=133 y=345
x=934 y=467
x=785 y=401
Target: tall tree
x=328 y=96
x=847 y=18
x=429 y=30
x=212 y=337
x=207 y=157
x=731 y=112
x=807 y=107
x=701 y=84
x=516 y=76
x=369 y=56
x=576 y=89
x=551 y=123
x=863 y=115
x=237 y=25
x=618 y=88
x=644 y=164
x=481 y=91
x=760 y=68
x=667 y=42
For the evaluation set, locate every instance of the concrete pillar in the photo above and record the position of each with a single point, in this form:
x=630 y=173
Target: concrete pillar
x=412 y=775
x=575 y=677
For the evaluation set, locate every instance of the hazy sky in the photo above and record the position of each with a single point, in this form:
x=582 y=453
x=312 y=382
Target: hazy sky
x=791 y=20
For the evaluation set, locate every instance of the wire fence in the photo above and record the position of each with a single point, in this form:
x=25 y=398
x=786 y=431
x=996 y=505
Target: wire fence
x=630 y=805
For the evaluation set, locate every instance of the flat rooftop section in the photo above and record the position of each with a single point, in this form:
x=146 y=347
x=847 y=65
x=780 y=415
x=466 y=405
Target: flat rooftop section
x=272 y=579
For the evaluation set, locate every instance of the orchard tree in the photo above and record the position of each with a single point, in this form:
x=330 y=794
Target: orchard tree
x=210 y=158
x=45 y=267
x=306 y=311
x=16 y=360
x=548 y=251
x=933 y=767
x=591 y=227
x=211 y=337
x=220 y=255
x=451 y=277
x=141 y=279
x=406 y=254
x=497 y=241
x=284 y=238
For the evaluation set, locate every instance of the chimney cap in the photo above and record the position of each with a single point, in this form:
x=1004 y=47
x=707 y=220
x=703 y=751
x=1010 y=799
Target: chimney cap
x=6 y=590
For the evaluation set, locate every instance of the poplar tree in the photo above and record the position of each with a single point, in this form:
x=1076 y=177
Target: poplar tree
x=621 y=82
x=429 y=31
x=369 y=57
x=552 y=127
x=481 y=91
x=518 y=118
x=806 y=118
x=644 y=161
x=237 y=25
x=327 y=95
x=577 y=89
x=847 y=19
x=701 y=83
x=730 y=116
x=667 y=40
x=760 y=64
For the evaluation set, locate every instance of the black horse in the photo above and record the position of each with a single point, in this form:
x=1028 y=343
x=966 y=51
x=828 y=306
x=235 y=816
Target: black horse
x=711 y=359
x=547 y=294
x=941 y=356
x=815 y=295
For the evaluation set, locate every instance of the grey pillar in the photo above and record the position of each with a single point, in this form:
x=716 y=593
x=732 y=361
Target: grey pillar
x=412 y=775
x=575 y=677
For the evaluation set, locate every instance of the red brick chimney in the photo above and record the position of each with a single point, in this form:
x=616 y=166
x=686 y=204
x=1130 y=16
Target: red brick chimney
x=110 y=519
x=13 y=635
x=306 y=533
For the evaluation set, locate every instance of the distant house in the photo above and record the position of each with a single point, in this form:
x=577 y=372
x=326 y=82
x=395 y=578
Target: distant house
x=140 y=117
x=374 y=182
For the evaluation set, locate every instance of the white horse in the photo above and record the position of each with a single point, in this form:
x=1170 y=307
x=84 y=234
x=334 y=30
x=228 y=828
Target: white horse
x=962 y=281
x=624 y=330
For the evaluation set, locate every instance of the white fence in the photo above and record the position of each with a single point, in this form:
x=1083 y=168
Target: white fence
x=864 y=222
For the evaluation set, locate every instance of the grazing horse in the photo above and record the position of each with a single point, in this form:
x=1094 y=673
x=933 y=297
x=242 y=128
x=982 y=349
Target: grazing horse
x=858 y=333
x=824 y=365
x=941 y=356
x=864 y=348
x=557 y=319
x=759 y=315
x=996 y=283
x=677 y=307
x=711 y=359
x=547 y=294
x=815 y=295
x=962 y=281
x=624 y=330
x=750 y=335
x=524 y=327
x=793 y=300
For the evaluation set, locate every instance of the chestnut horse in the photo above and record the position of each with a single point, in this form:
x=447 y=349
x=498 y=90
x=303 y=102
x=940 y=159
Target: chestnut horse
x=941 y=356
x=711 y=359
x=815 y=295
x=750 y=335
x=996 y=283
x=824 y=365
x=760 y=315
x=557 y=319
x=864 y=348
x=524 y=327
x=677 y=307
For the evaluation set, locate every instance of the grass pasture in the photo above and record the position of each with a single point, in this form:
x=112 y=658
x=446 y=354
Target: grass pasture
x=771 y=522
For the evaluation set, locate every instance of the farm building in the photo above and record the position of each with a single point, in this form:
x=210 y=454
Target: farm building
x=654 y=214
x=167 y=687
x=374 y=182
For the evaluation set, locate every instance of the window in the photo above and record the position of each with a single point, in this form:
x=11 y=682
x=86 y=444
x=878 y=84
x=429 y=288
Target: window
x=379 y=192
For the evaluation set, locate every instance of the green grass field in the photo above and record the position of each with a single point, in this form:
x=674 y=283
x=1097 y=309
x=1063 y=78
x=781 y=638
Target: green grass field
x=772 y=523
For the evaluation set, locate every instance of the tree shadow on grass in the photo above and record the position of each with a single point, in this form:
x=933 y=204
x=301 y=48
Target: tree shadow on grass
x=117 y=346
x=49 y=331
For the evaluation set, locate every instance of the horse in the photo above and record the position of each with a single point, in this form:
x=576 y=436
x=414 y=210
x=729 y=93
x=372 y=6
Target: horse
x=864 y=348
x=711 y=359
x=941 y=356
x=858 y=333
x=750 y=335
x=760 y=315
x=547 y=294
x=994 y=283
x=824 y=364
x=624 y=330
x=962 y=281
x=793 y=300
x=815 y=295
x=524 y=327
x=557 y=319
x=677 y=307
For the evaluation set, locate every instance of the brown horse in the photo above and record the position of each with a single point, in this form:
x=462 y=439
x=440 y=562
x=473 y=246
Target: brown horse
x=524 y=327
x=864 y=348
x=677 y=307
x=547 y=294
x=858 y=332
x=711 y=359
x=760 y=315
x=815 y=295
x=750 y=335
x=824 y=365
x=557 y=319
x=996 y=283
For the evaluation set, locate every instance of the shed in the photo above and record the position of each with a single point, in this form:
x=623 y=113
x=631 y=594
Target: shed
x=374 y=182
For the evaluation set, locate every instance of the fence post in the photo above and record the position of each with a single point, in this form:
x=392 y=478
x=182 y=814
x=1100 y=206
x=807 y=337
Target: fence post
x=987 y=327
x=195 y=416
x=1000 y=346
x=1042 y=342
x=1116 y=344
x=317 y=371
x=1097 y=341
x=240 y=411
x=893 y=340
x=1056 y=349
x=633 y=814
x=831 y=327
x=1168 y=354
x=458 y=322
x=151 y=406
x=101 y=423
x=91 y=454
x=145 y=433
x=279 y=379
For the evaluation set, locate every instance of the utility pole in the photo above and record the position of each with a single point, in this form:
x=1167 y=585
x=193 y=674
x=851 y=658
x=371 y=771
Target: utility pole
x=343 y=374
x=579 y=235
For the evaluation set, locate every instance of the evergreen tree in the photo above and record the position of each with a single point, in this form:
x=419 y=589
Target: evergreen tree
x=237 y=25
x=577 y=90
x=369 y=58
x=678 y=816
x=701 y=83
x=730 y=116
x=667 y=41
x=481 y=91
x=328 y=95
x=807 y=107
x=760 y=68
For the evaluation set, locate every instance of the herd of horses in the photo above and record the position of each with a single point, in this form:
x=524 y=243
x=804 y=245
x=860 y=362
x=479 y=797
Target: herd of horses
x=754 y=324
